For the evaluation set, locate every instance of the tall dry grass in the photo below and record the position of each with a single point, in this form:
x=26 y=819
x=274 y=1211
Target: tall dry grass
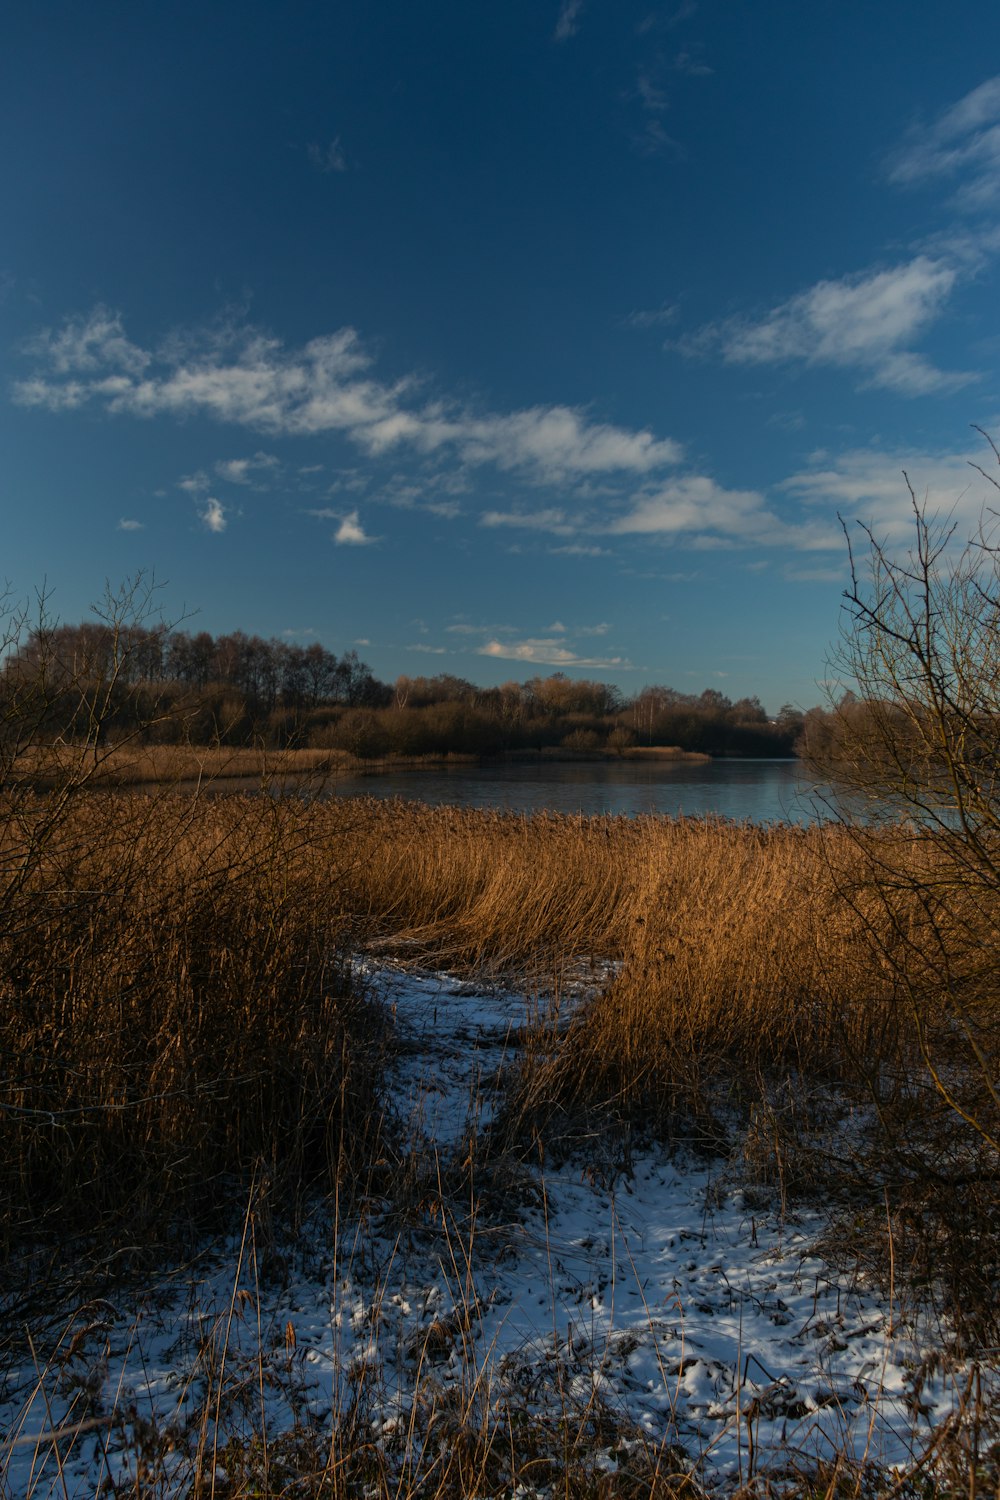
x=210 y=766
x=487 y=890
x=178 y=1020
x=175 y=1003
x=740 y=958
x=743 y=955
x=175 y=1015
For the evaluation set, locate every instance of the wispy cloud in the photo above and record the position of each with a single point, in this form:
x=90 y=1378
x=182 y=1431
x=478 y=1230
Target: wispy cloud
x=962 y=143
x=247 y=378
x=351 y=533
x=328 y=158
x=690 y=64
x=651 y=96
x=693 y=510
x=569 y=20
x=214 y=517
x=707 y=514
x=653 y=317
x=865 y=322
x=128 y=524
x=652 y=139
x=90 y=345
x=246 y=470
x=446 y=510
x=549 y=652
x=549 y=519
x=868 y=484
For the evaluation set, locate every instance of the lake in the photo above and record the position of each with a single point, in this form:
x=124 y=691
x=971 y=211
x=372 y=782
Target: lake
x=763 y=791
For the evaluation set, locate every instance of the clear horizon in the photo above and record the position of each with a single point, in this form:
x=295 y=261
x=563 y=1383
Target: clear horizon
x=496 y=341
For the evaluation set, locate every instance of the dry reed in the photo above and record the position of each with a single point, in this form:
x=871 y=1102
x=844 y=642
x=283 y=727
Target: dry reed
x=175 y=1000
x=177 y=1018
x=175 y=1013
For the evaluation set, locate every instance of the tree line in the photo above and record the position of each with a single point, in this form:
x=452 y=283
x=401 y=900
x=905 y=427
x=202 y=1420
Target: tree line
x=169 y=684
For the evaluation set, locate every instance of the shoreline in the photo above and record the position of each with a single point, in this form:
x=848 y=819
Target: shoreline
x=172 y=765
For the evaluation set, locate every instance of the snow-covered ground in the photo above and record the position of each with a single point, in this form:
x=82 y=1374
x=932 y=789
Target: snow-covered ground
x=671 y=1303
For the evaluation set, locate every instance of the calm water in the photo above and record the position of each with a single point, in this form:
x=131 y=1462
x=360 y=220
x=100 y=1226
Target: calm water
x=765 y=791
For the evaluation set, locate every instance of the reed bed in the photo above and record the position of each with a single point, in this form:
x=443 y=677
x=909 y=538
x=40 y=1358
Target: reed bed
x=175 y=1016
x=734 y=961
x=488 y=890
x=176 y=1000
x=182 y=1032
x=135 y=764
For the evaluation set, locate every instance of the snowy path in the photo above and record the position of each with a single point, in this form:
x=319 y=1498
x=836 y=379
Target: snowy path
x=664 y=1302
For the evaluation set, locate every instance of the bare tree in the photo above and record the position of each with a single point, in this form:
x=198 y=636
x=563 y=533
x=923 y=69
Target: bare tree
x=918 y=734
x=61 y=696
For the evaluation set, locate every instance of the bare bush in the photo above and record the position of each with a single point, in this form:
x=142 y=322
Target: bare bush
x=919 y=735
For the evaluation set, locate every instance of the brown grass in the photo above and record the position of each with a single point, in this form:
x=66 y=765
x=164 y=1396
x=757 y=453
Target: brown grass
x=175 y=1015
x=745 y=957
x=178 y=1022
x=134 y=764
x=174 y=1000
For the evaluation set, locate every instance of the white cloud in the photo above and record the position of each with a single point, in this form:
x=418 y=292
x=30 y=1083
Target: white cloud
x=549 y=653
x=654 y=317
x=863 y=322
x=569 y=20
x=540 y=520
x=351 y=533
x=691 y=65
x=651 y=96
x=88 y=344
x=867 y=484
x=578 y=549
x=127 y=524
x=38 y=392
x=328 y=158
x=962 y=142
x=692 y=509
x=706 y=514
x=246 y=470
x=652 y=138
x=195 y=484
x=243 y=377
x=214 y=516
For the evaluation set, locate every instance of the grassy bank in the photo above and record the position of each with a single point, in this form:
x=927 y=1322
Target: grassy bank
x=223 y=768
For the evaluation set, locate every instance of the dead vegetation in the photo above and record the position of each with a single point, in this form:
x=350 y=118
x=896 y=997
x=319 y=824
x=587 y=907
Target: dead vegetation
x=180 y=1027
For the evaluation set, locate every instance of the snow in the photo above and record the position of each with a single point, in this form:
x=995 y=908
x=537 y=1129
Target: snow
x=670 y=1302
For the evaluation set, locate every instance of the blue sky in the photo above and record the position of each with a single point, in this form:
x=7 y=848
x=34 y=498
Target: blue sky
x=495 y=339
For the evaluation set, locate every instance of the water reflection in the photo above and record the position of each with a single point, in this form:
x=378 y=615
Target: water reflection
x=763 y=791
